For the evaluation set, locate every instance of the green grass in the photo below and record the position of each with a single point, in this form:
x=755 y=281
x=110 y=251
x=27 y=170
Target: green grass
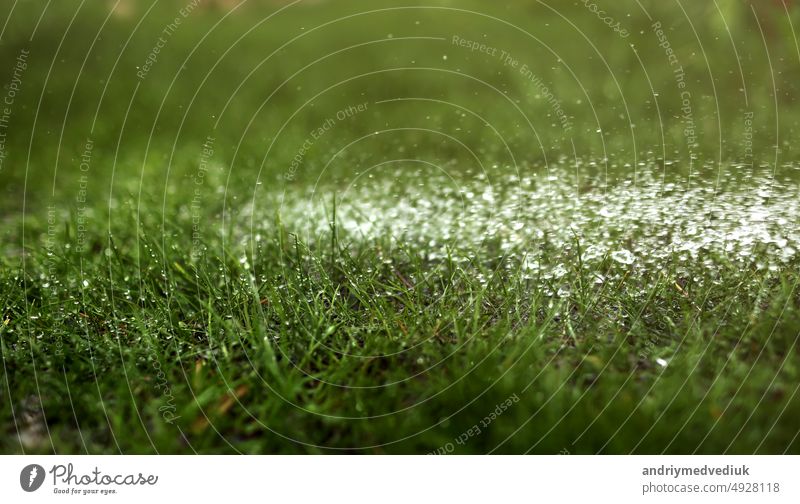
x=149 y=305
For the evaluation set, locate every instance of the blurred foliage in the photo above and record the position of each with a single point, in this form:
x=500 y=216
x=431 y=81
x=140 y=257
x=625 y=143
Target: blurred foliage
x=252 y=73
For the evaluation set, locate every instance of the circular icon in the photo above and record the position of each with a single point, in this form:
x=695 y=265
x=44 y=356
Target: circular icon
x=31 y=477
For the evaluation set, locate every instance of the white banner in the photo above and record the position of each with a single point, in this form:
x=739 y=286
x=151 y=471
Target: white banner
x=400 y=479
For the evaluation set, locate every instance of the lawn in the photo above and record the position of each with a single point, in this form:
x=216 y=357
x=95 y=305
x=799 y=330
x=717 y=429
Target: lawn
x=399 y=227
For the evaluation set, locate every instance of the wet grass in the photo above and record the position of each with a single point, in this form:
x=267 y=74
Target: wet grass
x=508 y=288
x=341 y=348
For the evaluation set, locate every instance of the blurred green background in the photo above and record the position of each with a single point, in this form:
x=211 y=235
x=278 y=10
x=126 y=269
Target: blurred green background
x=258 y=76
